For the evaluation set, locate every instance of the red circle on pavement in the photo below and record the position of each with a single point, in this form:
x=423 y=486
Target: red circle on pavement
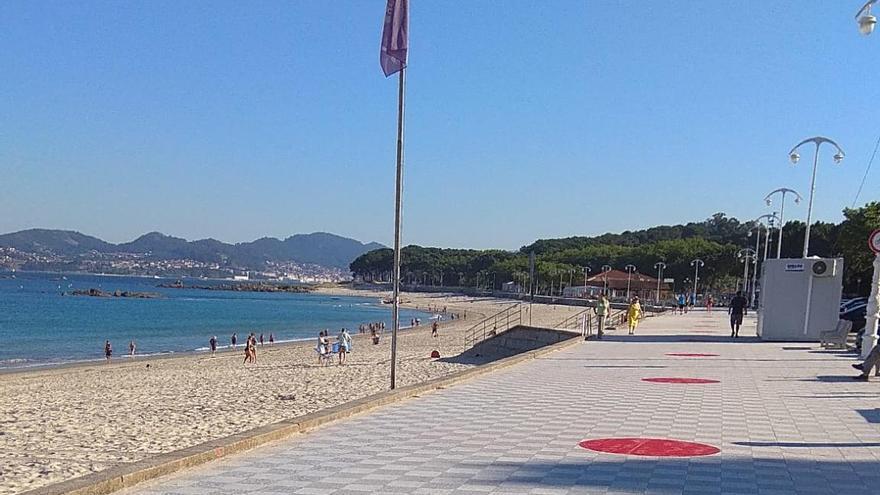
x=654 y=447
x=664 y=379
x=690 y=354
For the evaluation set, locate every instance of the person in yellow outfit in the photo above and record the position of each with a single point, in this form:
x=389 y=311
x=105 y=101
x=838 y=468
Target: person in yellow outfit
x=634 y=314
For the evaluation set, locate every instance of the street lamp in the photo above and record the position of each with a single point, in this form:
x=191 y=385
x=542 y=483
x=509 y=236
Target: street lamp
x=697 y=263
x=865 y=19
x=605 y=270
x=795 y=156
x=769 y=201
x=629 y=270
x=771 y=218
x=743 y=255
x=660 y=266
x=586 y=273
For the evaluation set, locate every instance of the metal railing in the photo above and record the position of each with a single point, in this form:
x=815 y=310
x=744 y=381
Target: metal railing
x=501 y=321
x=575 y=322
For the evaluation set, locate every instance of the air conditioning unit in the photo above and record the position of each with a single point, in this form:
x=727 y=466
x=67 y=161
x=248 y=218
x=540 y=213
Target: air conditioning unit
x=824 y=268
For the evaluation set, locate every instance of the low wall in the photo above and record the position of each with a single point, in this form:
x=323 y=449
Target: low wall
x=522 y=338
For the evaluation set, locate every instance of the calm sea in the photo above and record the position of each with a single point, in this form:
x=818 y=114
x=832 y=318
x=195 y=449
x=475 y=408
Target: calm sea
x=39 y=326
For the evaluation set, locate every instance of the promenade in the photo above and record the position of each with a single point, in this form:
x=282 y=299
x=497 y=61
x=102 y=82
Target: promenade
x=787 y=419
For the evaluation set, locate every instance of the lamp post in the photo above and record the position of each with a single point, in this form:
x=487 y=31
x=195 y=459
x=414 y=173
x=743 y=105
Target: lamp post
x=605 y=270
x=586 y=273
x=697 y=263
x=629 y=270
x=794 y=156
x=744 y=255
x=865 y=19
x=769 y=200
x=660 y=266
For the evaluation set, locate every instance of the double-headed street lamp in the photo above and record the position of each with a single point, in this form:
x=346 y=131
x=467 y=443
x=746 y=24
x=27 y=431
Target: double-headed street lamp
x=660 y=266
x=744 y=255
x=629 y=270
x=697 y=263
x=795 y=156
x=769 y=200
x=865 y=19
x=605 y=270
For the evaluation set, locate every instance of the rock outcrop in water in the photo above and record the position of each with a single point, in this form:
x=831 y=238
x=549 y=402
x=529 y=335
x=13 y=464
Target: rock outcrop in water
x=118 y=293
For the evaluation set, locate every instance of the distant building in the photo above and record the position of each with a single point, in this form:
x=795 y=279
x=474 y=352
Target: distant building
x=615 y=282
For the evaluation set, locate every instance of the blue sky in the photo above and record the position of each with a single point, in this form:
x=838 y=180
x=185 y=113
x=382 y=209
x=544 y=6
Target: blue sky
x=525 y=120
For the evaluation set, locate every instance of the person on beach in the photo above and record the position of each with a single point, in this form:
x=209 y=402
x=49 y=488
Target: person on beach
x=108 y=350
x=261 y=340
x=434 y=327
x=633 y=315
x=252 y=342
x=271 y=338
x=131 y=348
x=323 y=349
x=344 y=340
x=603 y=306
x=213 y=344
x=234 y=340
x=374 y=334
x=737 y=310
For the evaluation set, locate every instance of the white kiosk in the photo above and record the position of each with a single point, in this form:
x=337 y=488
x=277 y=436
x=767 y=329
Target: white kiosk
x=789 y=287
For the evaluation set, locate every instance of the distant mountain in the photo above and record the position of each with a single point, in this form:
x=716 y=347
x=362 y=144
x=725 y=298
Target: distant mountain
x=319 y=248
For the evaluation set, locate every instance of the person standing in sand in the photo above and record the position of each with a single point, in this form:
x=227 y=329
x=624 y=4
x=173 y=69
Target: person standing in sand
x=271 y=338
x=434 y=327
x=213 y=344
x=131 y=348
x=344 y=340
x=108 y=350
x=633 y=315
x=261 y=340
x=234 y=340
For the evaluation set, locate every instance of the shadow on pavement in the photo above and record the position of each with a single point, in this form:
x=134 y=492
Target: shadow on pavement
x=870 y=415
x=670 y=475
x=721 y=339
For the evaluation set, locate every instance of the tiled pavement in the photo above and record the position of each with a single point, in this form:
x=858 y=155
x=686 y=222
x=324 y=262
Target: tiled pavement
x=787 y=418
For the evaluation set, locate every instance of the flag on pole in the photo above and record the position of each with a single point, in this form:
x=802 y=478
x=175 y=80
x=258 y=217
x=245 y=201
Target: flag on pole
x=395 y=37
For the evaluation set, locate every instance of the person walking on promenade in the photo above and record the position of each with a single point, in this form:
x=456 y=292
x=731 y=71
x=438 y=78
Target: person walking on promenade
x=603 y=306
x=871 y=361
x=108 y=350
x=681 y=302
x=633 y=315
x=737 y=310
x=710 y=301
x=213 y=344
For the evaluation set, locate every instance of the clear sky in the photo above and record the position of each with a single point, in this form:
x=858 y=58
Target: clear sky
x=525 y=120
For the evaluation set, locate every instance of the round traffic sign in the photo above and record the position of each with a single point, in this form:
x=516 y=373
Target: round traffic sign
x=874 y=241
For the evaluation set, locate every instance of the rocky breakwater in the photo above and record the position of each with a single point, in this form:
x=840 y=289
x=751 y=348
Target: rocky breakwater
x=117 y=293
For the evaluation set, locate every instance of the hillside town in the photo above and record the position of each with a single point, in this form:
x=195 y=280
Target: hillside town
x=143 y=264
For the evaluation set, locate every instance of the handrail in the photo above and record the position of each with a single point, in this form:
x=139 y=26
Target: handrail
x=574 y=321
x=501 y=321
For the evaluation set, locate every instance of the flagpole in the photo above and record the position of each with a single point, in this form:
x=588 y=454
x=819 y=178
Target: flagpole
x=395 y=311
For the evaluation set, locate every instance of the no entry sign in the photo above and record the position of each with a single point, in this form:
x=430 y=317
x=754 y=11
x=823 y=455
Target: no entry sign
x=874 y=241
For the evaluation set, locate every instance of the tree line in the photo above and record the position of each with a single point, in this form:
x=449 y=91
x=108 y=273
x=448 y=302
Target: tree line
x=715 y=240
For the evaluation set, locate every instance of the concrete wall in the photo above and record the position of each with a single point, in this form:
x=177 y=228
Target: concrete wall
x=523 y=338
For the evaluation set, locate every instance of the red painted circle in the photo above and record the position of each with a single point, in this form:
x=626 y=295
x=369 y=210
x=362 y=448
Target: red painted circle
x=654 y=447
x=664 y=379
x=690 y=354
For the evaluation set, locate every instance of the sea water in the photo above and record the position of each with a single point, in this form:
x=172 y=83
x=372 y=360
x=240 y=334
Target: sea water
x=40 y=326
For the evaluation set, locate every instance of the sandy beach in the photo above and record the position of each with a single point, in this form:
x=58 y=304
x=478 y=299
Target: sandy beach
x=57 y=424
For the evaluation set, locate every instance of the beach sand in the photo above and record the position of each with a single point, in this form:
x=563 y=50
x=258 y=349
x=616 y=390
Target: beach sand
x=62 y=423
